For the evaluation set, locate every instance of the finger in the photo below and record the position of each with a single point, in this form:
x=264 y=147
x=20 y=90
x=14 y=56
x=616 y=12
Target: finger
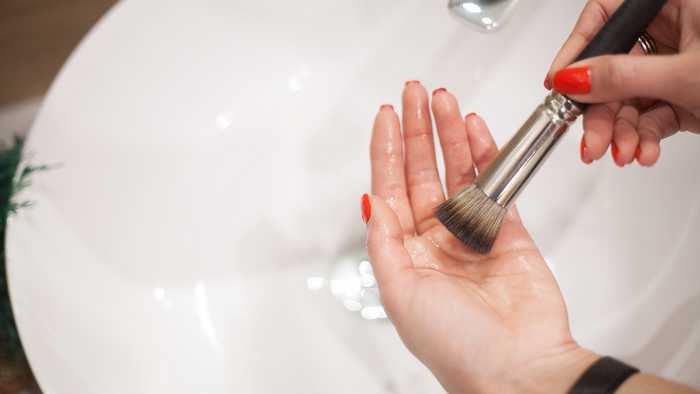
x=622 y=77
x=386 y=156
x=687 y=120
x=661 y=49
x=592 y=19
x=656 y=123
x=598 y=123
x=390 y=261
x=483 y=147
x=424 y=187
x=643 y=104
x=459 y=169
x=625 y=137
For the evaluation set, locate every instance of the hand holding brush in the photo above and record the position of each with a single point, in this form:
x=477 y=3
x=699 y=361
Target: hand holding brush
x=639 y=99
x=475 y=214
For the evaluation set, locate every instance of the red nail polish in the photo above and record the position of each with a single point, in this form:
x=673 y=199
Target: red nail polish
x=615 y=153
x=386 y=106
x=438 y=90
x=638 y=152
x=411 y=82
x=366 y=208
x=584 y=153
x=573 y=80
x=547 y=84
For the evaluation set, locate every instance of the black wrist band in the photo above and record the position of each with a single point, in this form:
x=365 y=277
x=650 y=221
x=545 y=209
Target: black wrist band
x=603 y=377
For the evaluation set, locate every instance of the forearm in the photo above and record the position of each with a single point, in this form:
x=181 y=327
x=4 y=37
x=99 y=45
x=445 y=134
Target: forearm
x=555 y=373
x=559 y=372
x=643 y=383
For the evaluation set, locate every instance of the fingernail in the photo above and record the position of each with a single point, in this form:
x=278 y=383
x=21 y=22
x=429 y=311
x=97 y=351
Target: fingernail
x=638 y=152
x=547 y=84
x=411 y=82
x=584 y=152
x=615 y=153
x=573 y=80
x=438 y=90
x=366 y=208
x=386 y=106
x=469 y=115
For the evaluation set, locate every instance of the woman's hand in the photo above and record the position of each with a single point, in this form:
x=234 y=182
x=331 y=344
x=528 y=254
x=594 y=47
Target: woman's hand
x=494 y=323
x=640 y=99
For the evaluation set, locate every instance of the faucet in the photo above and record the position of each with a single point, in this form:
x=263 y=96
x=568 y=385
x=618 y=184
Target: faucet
x=487 y=15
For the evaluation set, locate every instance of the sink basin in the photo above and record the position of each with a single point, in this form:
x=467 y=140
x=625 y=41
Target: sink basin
x=208 y=163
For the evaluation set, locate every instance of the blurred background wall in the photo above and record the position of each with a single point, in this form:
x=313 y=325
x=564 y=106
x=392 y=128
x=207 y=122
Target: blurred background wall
x=36 y=38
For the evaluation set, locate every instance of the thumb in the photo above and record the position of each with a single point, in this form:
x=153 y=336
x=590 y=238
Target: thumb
x=605 y=79
x=390 y=260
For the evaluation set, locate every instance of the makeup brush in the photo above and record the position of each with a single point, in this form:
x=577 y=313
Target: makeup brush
x=475 y=214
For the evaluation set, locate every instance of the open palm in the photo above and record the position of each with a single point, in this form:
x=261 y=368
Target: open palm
x=476 y=321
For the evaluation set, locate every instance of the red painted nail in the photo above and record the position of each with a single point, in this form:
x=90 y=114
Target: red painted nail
x=386 y=106
x=573 y=80
x=411 y=82
x=584 y=152
x=547 y=84
x=438 y=90
x=615 y=153
x=366 y=208
x=638 y=152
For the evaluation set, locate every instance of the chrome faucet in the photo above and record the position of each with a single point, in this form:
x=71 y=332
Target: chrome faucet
x=487 y=15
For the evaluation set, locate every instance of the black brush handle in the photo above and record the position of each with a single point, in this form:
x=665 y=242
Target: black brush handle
x=620 y=33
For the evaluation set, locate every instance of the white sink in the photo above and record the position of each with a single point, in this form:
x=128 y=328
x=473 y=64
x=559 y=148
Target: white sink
x=211 y=157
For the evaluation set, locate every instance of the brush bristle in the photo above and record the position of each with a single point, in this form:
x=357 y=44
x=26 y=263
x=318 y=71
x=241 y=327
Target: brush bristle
x=473 y=218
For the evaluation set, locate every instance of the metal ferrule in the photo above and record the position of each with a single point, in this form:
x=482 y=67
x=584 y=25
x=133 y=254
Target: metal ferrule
x=520 y=158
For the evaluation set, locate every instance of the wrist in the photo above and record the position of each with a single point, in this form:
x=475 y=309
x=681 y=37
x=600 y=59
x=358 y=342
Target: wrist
x=555 y=372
